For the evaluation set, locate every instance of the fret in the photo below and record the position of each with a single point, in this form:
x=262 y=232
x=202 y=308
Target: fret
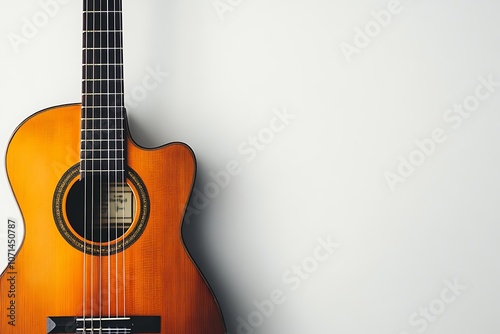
x=100 y=123
x=102 y=21
x=101 y=11
x=103 y=80
x=107 y=164
x=102 y=150
x=118 y=140
x=100 y=133
x=105 y=56
x=102 y=87
x=102 y=144
x=100 y=93
x=102 y=165
x=97 y=134
x=101 y=155
x=102 y=64
x=103 y=33
x=114 y=30
x=113 y=72
x=94 y=157
x=116 y=118
x=91 y=5
x=99 y=111
x=105 y=172
x=118 y=48
x=103 y=112
x=101 y=40
x=103 y=100
x=112 y=108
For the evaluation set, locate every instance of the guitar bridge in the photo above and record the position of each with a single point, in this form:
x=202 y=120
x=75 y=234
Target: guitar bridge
x=124 y=325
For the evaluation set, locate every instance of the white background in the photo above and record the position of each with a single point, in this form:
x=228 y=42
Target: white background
x=323 y=177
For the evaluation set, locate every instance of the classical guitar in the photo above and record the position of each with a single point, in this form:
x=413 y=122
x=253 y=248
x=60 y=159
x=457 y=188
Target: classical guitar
x=102 y=250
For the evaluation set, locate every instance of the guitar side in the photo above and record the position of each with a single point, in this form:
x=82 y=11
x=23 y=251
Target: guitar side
x=51 y=278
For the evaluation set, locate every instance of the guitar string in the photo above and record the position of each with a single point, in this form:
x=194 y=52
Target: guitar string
x=101 y=180
x=121 y=121
x=122 y=129
x=108 y=160
x=82 y=168
x=114 y=137
x=98 y=168
x=90 y=39
x=116 y=162
x=99 y=183
x=121 y=183
x=91 y=175
x=119 y=107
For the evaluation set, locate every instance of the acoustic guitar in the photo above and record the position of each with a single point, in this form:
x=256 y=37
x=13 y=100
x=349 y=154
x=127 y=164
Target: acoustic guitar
x=102 y=250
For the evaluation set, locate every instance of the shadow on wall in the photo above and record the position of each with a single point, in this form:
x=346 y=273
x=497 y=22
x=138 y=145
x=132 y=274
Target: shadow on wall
x=194 y=236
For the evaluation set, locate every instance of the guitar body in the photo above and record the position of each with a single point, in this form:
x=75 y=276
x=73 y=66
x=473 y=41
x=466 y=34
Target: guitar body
x=152 y=275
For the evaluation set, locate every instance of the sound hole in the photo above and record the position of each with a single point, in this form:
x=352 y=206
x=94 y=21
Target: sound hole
x=100 y=211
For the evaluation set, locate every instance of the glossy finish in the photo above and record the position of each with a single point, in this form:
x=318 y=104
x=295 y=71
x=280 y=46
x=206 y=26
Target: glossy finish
x=160 y=277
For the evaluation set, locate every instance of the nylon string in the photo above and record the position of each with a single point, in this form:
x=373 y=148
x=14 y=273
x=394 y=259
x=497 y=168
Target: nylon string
x=90 y=116
x=84 y=159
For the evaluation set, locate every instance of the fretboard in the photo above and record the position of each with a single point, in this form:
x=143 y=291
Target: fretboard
x=102 y=128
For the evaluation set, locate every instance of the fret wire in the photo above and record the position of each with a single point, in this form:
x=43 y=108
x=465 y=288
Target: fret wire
x=104 y=140
x=102 y=79
x=103 y=30
x=117 y=108
x=104 y=319
x=90 y=94
x=102 y=149
x=102 y=171
x=96 y=118
x=103 y=64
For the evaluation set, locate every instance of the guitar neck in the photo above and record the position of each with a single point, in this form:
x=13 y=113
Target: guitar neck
x=102 y=130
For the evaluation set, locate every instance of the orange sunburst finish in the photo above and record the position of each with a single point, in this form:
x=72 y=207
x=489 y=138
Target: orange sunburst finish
x=160 y=280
